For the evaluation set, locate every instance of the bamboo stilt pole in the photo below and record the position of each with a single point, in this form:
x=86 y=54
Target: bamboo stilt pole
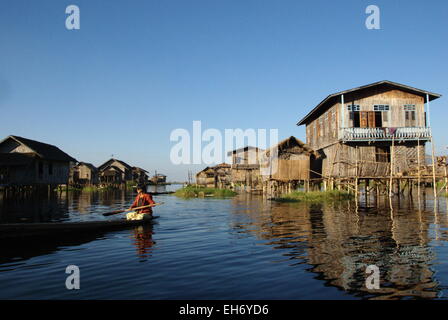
x=391 y=166
x=433 y=169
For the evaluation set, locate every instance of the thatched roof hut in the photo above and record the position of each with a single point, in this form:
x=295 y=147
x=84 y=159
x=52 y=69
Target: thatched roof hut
x=289 y=160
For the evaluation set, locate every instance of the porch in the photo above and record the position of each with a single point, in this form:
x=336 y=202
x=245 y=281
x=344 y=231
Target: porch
x=385 y=134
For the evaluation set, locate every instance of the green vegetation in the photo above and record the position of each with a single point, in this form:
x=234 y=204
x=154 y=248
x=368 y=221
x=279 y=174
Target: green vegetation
x=192 y=192
x=86 y=188
x=315 y=196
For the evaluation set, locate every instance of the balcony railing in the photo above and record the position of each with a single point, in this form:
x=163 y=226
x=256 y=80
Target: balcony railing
x=385 y=134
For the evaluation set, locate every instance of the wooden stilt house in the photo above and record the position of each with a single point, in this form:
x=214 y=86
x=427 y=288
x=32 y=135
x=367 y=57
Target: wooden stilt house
x=359 y=131
x=26 y=162
x=287 y=165
x=245 y=169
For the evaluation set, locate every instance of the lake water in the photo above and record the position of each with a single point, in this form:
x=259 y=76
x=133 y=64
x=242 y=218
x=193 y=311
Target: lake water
x=246 y=247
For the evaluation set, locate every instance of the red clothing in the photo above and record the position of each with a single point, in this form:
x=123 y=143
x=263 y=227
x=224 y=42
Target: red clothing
x=141 y=200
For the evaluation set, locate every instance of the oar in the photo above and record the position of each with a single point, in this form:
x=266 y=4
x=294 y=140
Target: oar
x=121 y=211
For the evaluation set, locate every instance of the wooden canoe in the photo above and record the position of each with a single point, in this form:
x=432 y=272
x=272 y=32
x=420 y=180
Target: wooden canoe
x=19 y=230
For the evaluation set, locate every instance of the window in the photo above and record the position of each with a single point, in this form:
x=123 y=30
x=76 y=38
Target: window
x=382 y=154
x=381 y=107
x=409 y=107
x=353 y=107
x=50 y=168
x=409 y=115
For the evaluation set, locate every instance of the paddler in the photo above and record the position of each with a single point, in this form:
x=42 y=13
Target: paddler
x=142 y=199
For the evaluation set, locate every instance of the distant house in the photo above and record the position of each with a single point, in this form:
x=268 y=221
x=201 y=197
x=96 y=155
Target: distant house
x=245 y=169
x=287 y=164
x=158 y=178
x=139 y=175
x=214 y=177
x=28 y=162
x=85 y=174
x=115 y=171
x=206 y=177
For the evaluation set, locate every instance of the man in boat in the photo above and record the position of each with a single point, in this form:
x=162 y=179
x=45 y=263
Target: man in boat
x=142 y=199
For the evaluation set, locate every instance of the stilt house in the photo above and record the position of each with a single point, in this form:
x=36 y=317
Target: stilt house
x=356 y=130
x=245 y=170
x=286 y=165
x=26 y=162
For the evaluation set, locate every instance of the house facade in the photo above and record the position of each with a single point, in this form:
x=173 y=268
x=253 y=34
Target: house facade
x=245 y=168
x=115 y=171
x=139 y=175
x=287 y=165
x=26 y=162
x=355 y=131
x=84 y=174
x=215 y=177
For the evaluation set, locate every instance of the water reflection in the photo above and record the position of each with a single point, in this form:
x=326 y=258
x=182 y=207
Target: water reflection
x=71 y=206
x=339 y=242
x=142 y=240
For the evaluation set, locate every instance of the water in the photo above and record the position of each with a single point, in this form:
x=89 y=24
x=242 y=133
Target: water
x=241 y=248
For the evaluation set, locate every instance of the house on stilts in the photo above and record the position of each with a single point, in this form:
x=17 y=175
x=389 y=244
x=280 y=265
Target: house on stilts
x=370 y=132
x=287 y=165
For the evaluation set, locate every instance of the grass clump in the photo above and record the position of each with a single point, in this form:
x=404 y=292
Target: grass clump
x=193 y=192
x=315 y=196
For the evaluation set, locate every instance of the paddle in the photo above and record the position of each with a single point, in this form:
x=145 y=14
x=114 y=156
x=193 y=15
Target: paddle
x=121 y=211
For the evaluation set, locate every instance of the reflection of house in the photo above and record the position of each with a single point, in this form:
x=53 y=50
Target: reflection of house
x=29 y=162
x=115 y=171
x=214 y=177
x=84 y=174
x=139 y=175
x=245 y=170
x=158 y=178
x=361 y=125
x=286 y=164
x=338 y=242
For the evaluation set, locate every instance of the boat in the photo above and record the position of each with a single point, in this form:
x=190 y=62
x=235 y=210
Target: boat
x=50 y=229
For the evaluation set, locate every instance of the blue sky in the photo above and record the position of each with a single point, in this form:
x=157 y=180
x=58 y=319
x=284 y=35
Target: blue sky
x=136 y=70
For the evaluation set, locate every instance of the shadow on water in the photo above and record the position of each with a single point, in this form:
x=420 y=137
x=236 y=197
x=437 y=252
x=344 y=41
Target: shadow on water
x=21 y=249
x=72 y=206
x=339 y=240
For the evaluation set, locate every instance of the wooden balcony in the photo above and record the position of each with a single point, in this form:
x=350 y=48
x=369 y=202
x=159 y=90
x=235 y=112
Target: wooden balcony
x=385 y=134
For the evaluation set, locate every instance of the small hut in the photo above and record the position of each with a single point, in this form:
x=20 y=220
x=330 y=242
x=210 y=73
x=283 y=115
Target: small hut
x=84 y=174
x=158 y=178
x=206 y=177
x=118 y=169
x=245 y=169
x=215 y=177
x=286 y=165
x=139 y=175
x=112 y=175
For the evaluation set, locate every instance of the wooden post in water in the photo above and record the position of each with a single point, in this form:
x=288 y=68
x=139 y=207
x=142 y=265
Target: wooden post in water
x=392 y=156
x=418 y=167
x=446 y=177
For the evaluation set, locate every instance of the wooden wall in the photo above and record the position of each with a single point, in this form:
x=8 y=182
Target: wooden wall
x=322 y=131
x=340 y=160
